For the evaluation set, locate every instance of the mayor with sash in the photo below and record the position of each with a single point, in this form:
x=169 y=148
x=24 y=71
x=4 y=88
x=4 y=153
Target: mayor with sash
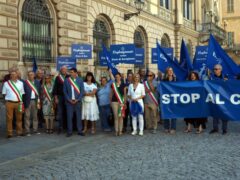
x=73 y=92
x=13 y=91
x=31 y=102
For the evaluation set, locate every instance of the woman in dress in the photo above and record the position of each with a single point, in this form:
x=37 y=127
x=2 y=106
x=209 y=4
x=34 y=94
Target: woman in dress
x=199 y=123
x=118 y=103
x=47 y=103
x=169 y=124
x=136 y=93
x=89 y=108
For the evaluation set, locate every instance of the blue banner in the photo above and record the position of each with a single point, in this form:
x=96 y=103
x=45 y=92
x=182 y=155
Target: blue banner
x=70 y=62
x=197 y=99
x=216 y=55
x=168 y=51
x=123 y=53
x=140 y=55
x=200 y=60
x=82 y=51
x=102 y=59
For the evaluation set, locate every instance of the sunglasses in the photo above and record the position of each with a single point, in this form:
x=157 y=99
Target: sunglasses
x=150 y=75
x=216 y=68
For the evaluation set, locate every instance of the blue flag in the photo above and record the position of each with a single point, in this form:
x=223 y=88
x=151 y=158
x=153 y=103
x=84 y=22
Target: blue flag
x=110 y=64
x=200 y=61
x=216 y=55
x=34 y=65
x=164 y=61
x=185 y=60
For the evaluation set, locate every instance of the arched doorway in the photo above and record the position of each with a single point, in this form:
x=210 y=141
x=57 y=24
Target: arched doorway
x=140 y=41
x=37 y=36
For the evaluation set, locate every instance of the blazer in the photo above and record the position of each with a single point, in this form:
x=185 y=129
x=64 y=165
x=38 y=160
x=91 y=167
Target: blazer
x=28 y=92
x=67 y=90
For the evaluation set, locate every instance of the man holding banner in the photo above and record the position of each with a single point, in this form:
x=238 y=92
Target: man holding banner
x=218 y=76
x=73 y=90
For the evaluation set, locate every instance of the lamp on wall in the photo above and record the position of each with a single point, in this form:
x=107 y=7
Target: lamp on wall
x=139 y=4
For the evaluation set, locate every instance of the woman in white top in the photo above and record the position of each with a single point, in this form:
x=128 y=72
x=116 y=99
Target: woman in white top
x=136 y=93
x=89 y=108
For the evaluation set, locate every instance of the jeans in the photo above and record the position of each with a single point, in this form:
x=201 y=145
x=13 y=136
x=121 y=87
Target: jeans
x=169 y=124
x=216 y=122
x=105 y=111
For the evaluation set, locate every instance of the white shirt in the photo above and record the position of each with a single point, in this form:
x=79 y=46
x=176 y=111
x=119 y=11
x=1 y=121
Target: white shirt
x=139 y=91
x=8 y=92
x=89 y=87
x=33 y=96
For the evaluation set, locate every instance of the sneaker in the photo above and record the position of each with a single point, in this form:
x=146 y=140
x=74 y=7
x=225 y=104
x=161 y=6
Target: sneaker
x=28 y=134
x=172 y=131
x=140 y=133
x=213 y=131
x=134 y=133
x=154 y=131
x=36 y=132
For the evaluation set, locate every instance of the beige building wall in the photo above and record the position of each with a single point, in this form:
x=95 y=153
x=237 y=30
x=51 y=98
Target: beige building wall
x=74 y=22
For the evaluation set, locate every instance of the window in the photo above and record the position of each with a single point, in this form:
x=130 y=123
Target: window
x=187 y=9
x=165 y=3
x=230 y=39
x=36 y=31
x=165 y=41
x=230 y=6
x=138 y=39
x=101 y=36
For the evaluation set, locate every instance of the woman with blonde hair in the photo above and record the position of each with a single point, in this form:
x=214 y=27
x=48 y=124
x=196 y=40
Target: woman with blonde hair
x=136 y=93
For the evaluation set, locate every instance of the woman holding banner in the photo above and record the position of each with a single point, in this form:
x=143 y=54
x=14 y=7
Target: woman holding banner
x=169 y=124
x=136 y=93
x=199 y=123
x=47 y=103
x=90 y=109
x=118 y=103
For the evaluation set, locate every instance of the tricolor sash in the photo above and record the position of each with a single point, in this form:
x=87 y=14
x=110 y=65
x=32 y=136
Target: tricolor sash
x=152 y=96
x=47 y=93
x=61 y=77
x=121 y=110
x=33 y=87
x=74 y=85
x=18 y=94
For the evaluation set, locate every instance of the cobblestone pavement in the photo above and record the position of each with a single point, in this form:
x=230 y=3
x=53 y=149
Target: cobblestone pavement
x=103 y=156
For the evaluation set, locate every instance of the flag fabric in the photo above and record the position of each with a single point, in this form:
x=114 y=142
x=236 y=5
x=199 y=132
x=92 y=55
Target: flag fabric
x=34 y=65
x=185 y=60
x=110 y=64
x=200 y=61
x=164 y=61
x=216 y=55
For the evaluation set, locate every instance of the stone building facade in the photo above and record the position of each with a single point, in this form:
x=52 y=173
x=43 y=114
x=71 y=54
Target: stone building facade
x=45 y=29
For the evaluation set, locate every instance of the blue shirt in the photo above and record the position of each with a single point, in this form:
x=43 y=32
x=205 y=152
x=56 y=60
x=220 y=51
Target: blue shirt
x=104 y=93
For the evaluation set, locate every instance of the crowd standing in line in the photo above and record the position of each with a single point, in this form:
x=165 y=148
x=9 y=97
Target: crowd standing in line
x=67 y=98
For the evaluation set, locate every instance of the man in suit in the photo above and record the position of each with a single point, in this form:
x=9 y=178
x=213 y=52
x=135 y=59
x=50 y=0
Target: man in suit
x=59 y=98
x=31 y=101
x=73 y=92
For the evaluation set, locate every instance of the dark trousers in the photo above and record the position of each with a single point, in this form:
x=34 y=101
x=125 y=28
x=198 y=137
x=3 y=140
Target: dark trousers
x=216 y=122
x=105 y=111
x=61 y=112
x=71 y=108
x=127 y=115
x=169 y=124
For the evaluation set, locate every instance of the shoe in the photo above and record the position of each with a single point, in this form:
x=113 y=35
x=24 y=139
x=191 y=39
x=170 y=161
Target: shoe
x=120 y=133
x=198 y=132
x=81 y=134
x=9 y=136
x=59 y=130
x=36 y=132
x=213 y=131
x=51 y=131
x=172 y=131
x=107 y=130
x=134 y=133
x=19 y=135
x=140 y=133
x=116 y=133
x=154 y=131
x=187 y=131
x=224 y=132
x=28 y=134
x=166 y=131
x=69 y=135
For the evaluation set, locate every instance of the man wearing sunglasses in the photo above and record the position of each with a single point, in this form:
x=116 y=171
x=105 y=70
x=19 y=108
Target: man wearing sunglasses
x=218 y=75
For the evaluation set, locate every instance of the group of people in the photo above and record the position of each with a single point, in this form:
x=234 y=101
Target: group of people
x=132 y=101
